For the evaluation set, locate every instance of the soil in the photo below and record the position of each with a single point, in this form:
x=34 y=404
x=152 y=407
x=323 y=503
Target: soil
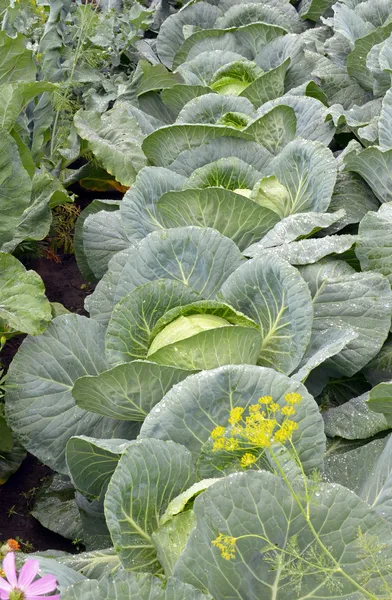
x=63 y=284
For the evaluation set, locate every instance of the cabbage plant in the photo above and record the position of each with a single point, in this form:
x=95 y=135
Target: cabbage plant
x=224 y=411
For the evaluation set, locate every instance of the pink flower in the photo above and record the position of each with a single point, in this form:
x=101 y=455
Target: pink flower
x=24 y=587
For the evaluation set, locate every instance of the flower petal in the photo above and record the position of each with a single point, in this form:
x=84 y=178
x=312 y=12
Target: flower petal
x=28 y=573
x=4 y=595
x=48 y=583
x=56 y=597
x=10 y=569
x=4 y=586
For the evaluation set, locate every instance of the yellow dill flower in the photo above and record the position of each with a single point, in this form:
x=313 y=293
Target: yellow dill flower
x=248 y=459
x=274 y=407
x=226 y=544
x=287 y=411
x=237 y=430
x=293 y=398
x=228 y=444
x=218 y=432
x=254 y=408
x=231 y=444
x=286 y=431
x=218 y=444
x=260 y=433
x=235 y=415
x=265 y=400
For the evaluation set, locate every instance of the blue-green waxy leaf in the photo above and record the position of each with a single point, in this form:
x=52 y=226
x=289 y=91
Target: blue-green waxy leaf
x=380 y=400
x=367 y=471
x=209 y=108
x=192 y=409
x=311 y=116
x=39 y=402
x=139 y=205
x=373 y=247
x=247 y=40
x=304 y=176
x=374 y=165
x=103 y=237
x=356 y=60
x=92 y=462
x=354 y=420
x=247 y=151
x=274 y=129
x=230 y=213
x=272 y=519
x=313 y=9
x=164 y=145
x=274 y=295
x=358 y=301
x=268 y=86
x=127 y=392
x=94 y=207
x=149 y=475
x=124 y=585
x=171 y=34
x=306 y=252
x=198 y=258
x=115 y=138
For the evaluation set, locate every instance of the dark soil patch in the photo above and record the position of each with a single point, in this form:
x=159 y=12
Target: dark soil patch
x=16 y=501
x=63 y=284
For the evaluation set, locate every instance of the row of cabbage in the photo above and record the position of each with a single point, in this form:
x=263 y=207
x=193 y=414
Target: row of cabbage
x=224 y=411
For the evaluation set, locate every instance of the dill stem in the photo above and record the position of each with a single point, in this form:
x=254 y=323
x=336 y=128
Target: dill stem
x=314 y=532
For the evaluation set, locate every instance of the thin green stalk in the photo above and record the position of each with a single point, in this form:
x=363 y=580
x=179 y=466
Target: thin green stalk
x=315 y=534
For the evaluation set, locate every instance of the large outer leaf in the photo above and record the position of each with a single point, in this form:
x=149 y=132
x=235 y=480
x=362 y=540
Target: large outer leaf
x=199 y=258
x=94 y=207
x=23 y=304
x=16 y=62
x=380 y=368
x=164 y=145
x=233 y=215
x=360 y=302
x=270 y=518
x=39 y=402
x=356 y=61
x=15 y=188
x=247 y=151
x=297 y=226
x=385 y=120
x=247 y=40
x=171 y=34
x=274 y=295
x=124 y=586
x=149 y=475
x=354 y=420
x=368 y=472
x=115 y=138
x=274 y=129
x=374 y=165
x=308 y=171
x=192 y=409
x=373 y=247
x=307 y=252
x=268 y=86
x=352 y=195
x=92 y=462
x=15 y=96
x=210 y=107
x=138 y=207
x=94 y=564
x=103 y=237
x=313 y=9
x=127 y=392
x=311 y=115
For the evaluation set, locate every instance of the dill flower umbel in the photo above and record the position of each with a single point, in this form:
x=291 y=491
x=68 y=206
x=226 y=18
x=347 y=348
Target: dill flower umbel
x=226 y=544
x=266 y=423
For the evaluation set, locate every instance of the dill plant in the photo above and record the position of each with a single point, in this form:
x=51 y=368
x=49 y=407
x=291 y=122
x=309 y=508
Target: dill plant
x=264 y=432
